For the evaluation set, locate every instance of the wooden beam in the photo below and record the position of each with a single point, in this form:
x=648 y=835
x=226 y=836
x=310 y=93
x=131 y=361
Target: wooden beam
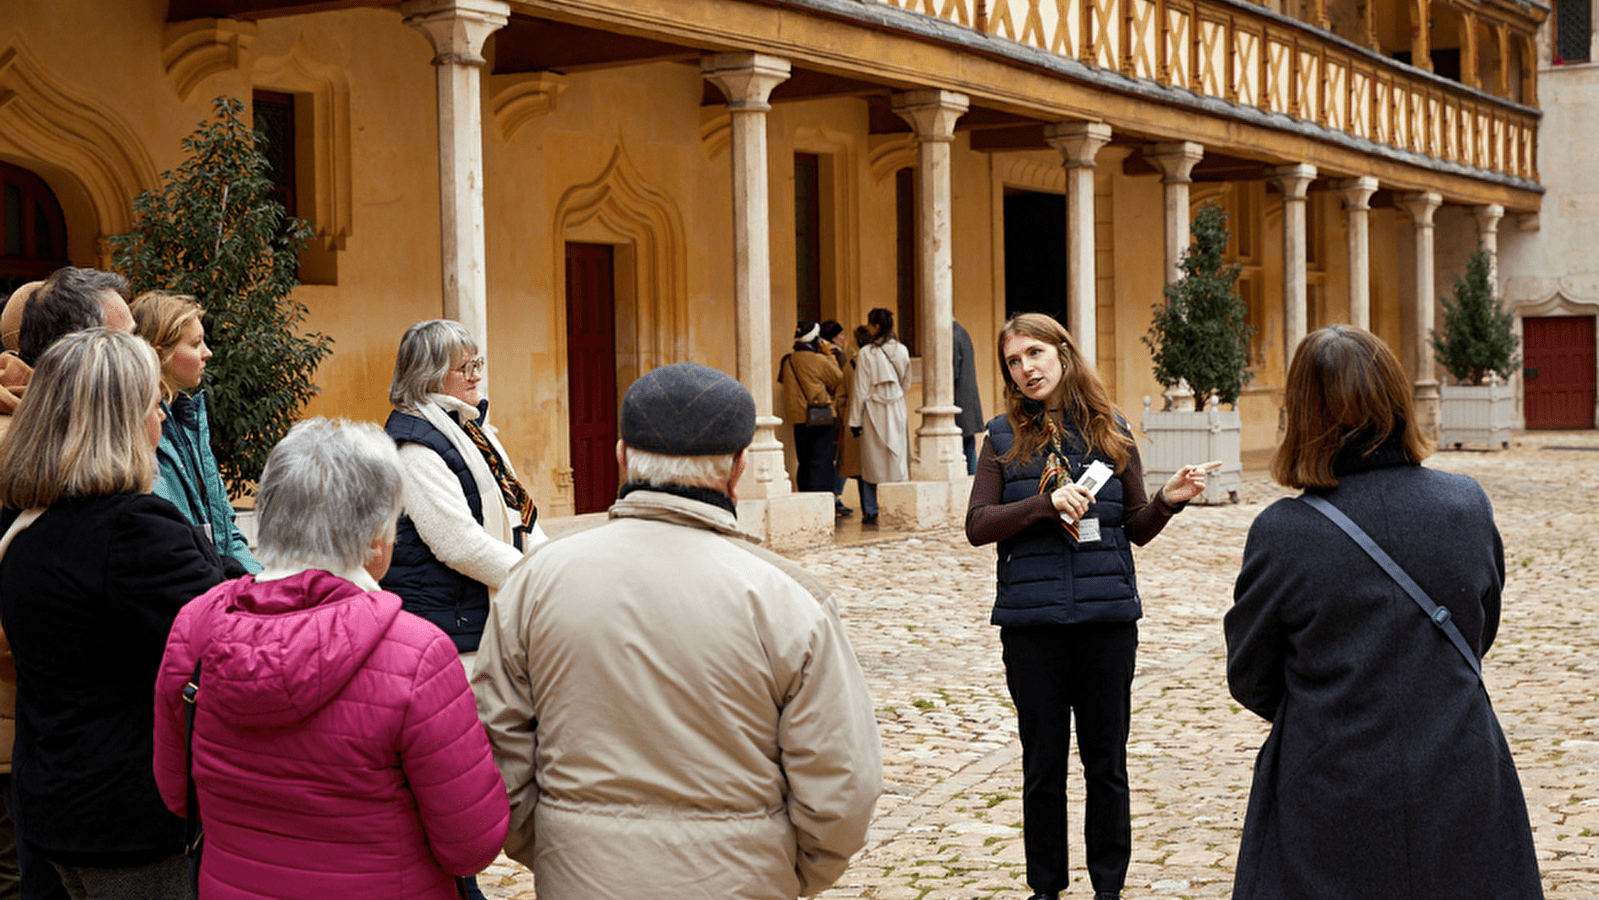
x=183 y=10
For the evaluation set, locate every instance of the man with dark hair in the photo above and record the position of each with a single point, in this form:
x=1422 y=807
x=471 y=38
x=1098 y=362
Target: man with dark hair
x=72 y=299
x=676 y=711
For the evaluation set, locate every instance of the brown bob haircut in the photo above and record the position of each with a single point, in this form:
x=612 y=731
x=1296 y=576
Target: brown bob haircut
x=1345 y=387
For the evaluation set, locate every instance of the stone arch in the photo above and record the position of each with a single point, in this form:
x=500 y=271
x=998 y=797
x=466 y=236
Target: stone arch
x=92 y=160
x=619 y=207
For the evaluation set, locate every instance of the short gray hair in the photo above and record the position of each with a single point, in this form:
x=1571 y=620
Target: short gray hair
x=427 y=353
x=686 y=471
x=329 y=489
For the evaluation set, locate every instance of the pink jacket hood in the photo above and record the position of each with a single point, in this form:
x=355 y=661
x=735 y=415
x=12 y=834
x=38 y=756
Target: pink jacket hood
x=280 y=650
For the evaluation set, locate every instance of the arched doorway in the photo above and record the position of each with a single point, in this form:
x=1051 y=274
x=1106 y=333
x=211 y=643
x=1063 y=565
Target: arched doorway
x=33 y=232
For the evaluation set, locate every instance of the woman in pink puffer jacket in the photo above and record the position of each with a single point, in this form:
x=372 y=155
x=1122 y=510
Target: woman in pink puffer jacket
x=337 y=750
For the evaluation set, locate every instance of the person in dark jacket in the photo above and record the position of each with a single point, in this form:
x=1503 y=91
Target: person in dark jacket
x=970 y=418
x=1067 y=603
x=467 y=518
x=94 y=575
x=1386 y=773
x=187 y=474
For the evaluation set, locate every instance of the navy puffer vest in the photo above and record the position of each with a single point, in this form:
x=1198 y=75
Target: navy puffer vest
x=1044 y=577
x=426 y=586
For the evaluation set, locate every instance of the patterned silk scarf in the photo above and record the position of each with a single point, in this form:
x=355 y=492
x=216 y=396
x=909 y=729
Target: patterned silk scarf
x=511 y=489
x=1057 y=470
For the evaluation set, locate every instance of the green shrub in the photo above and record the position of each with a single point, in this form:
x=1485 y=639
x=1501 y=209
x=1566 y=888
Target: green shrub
x=1477 y=336
x=1201 y=335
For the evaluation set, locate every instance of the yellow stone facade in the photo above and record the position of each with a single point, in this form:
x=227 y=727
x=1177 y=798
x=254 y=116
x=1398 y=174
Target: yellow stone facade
x=622 y=141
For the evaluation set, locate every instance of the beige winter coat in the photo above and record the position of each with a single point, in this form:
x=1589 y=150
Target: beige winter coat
x=877 y=408
x=808 y=378
x=703 y=727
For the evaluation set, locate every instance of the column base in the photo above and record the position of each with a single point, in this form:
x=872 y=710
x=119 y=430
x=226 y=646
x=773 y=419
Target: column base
x=939 y=456
x=793 y=522
x=924 y=505
x=1429 y=415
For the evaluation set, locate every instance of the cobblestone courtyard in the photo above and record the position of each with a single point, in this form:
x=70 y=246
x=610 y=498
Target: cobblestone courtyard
x=949 y=824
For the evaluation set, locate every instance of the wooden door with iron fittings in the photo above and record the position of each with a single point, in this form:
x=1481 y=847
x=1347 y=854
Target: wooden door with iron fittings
x=1558 y=377
x=591 y=375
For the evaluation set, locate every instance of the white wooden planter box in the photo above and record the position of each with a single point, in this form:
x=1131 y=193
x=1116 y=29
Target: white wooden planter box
x=1185 y=437
x=1476 y=415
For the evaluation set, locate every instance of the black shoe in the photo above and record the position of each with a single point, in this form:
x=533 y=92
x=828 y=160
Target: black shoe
x=1044 y=895
x=841 y=510
x=1107 y=895
x=869 y=519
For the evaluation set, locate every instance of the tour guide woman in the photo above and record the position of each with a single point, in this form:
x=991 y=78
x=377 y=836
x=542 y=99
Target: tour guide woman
x=467 y=519
x=1067 y=603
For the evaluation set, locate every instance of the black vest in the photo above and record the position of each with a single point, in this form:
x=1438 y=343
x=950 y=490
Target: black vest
x=427 y=587
x=1044 y=578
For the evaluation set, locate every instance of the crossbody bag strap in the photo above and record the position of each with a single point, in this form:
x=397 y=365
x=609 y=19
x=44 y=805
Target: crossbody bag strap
x=1438 y=615
x=191 y=827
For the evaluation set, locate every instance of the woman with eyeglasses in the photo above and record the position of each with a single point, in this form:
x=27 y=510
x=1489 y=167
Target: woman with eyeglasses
x=467 y=519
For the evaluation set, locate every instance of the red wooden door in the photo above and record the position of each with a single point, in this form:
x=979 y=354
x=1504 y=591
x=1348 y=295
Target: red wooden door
x=1559 y=375
x=591 y=374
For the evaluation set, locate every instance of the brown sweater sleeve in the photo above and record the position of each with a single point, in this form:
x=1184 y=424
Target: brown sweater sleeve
x=988 y=520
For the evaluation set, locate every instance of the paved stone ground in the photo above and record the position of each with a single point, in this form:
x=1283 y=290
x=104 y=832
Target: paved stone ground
x=949 y=825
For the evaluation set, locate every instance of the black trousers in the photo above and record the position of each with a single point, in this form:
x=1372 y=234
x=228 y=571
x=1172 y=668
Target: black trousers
x=814 y=449
x=1054 y=671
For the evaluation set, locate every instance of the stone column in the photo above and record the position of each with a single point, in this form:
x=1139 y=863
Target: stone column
x=747 y=80
x=1293 y=181
x=1420 y=207
x=457 y=30
x=1356 y=195
x=1176 y=163
x=1079 y=143
x=1488 y=217
x=938 y=441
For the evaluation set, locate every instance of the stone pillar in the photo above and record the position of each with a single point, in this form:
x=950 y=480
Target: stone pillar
x=1079 y=143
x=938 y=441
x=1420 y=207
x=1176 y=163
x=1488 y=217
x=747 y=80
x=1293 y=181
x=1356 y=194
x=457 y=29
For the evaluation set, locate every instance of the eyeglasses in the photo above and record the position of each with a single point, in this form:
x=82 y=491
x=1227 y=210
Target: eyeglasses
x=470 y=367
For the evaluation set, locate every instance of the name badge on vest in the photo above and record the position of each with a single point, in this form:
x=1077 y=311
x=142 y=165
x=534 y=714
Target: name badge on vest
x=1087 y=531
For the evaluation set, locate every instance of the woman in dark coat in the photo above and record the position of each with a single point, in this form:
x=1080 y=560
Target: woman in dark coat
x=1385 y=773
x=88 y=592
x=1067 y=600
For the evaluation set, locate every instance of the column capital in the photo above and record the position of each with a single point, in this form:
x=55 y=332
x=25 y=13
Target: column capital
x=1293 y=180
x=747 y=79
x=1079 y=142
x=932 y=112
x=1176 y=161
x=1488 y=217
x=1420 y=206
x=1356 y=192
x=457 y=29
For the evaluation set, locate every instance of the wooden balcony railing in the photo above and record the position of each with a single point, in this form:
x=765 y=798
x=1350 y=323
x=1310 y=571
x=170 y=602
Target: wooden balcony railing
x=1225 y=51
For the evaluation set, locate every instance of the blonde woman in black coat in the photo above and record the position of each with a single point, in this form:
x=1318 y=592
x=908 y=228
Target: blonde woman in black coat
x=1386 y=773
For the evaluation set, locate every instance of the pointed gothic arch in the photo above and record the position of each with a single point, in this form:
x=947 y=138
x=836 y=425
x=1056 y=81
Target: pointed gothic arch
x=90 y=158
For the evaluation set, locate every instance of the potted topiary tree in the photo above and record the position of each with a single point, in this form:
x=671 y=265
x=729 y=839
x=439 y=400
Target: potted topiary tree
x=213 y=231
x=1199 y=342
x=1477 y=347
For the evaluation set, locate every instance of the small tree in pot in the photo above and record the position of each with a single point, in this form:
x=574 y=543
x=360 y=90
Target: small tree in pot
x=1201 y=336
x=1477 y=336
x=213 y=231
x=1477 y=341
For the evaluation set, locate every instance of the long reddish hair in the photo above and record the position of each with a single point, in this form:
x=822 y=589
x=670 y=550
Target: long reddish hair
x=1081 y=396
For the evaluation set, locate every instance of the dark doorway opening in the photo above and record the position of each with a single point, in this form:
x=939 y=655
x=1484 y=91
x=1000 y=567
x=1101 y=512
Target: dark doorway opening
x=1035 y=254
x=591 y=375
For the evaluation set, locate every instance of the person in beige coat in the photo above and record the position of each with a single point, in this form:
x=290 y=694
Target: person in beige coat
x=675 y=711
x=810 y=376
x=877 y=412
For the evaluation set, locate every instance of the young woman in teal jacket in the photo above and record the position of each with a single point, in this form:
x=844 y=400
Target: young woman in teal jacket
x=188 y=475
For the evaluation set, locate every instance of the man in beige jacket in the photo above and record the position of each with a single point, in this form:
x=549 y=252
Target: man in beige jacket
x=677 y=712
